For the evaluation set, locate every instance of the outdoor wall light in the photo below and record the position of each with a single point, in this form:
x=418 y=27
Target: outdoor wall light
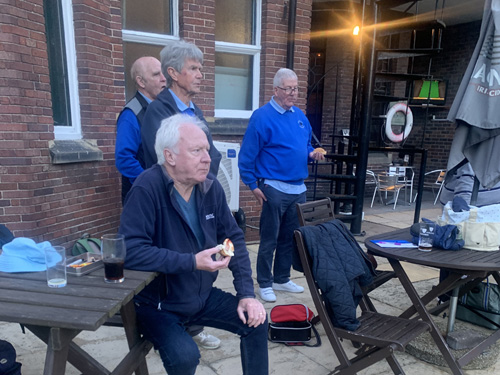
x=355 y=30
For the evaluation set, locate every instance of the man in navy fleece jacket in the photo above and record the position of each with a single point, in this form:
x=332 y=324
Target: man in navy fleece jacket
x=173 y=220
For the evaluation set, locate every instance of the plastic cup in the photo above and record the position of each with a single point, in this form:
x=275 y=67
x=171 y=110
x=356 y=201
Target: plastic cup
x=113 y=252
x=426 y=236
x=55 y=260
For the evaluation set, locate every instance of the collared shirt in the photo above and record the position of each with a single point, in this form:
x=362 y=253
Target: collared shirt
x=183 y=107
x=284 y=187
x=279 y=108
x=145 y=97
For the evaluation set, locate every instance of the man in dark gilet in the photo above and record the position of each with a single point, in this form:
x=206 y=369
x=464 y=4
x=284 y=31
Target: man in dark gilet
x=129 y=156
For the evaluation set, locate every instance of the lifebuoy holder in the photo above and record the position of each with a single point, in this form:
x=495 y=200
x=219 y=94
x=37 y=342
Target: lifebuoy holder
x=398 y=107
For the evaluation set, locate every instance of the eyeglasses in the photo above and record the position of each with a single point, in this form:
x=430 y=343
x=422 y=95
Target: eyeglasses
x=289 y=90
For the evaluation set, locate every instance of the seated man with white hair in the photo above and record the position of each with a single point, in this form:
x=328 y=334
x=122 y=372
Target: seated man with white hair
x=173 y=220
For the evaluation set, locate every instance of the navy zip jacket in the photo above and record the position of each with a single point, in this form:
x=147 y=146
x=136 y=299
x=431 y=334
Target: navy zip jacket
x=164 y=107
x=159 y=239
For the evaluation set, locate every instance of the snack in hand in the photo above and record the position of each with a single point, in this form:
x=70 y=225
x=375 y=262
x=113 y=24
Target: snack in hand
x=321 y=150
x=227 y=248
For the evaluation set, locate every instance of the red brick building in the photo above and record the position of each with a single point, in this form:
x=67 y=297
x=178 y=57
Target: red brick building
x=64 y=78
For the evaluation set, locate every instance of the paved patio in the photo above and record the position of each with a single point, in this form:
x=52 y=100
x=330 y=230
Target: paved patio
x=108 y=344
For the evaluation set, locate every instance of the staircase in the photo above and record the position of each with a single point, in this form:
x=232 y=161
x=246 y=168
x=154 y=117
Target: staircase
x=402 y=39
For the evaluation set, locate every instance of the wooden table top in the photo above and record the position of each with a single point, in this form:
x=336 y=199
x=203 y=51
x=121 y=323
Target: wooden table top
x=464 y=260
x=85 y=303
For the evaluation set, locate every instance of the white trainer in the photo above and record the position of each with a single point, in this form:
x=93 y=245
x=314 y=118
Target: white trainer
x=267 y=294
x=206 y=340
x=288 y=287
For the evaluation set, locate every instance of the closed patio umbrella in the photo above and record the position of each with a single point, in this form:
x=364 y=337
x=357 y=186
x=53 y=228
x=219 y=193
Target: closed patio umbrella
x=476 y=107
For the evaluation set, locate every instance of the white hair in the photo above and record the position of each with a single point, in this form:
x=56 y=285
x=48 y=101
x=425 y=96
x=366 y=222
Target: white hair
x=168 y=135
x=283 y=74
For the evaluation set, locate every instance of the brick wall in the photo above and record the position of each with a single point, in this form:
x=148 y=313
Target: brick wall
x=197 y=25
x=38 y=199
x=60 y=202
x=458 y=44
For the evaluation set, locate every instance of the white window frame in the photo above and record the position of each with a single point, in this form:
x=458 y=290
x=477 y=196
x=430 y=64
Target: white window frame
x=245 y=49
x=75 y=130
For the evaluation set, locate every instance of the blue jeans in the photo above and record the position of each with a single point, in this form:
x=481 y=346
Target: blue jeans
x=178 y=351
x=278 y=220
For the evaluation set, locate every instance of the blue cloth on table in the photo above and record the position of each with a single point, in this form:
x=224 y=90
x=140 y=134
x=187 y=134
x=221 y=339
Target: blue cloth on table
x=445 y=236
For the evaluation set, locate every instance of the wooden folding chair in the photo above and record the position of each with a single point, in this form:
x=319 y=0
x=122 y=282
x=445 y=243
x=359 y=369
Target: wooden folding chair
x=380 y=335
x=321 y=211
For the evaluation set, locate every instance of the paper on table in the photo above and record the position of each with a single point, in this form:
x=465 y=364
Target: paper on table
x=395 y=243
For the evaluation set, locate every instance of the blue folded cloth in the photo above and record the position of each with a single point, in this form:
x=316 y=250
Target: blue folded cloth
x=24 y=255
x=445 y=236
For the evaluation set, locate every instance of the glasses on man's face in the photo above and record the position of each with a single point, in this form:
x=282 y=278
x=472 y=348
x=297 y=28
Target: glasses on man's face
x=289 y=90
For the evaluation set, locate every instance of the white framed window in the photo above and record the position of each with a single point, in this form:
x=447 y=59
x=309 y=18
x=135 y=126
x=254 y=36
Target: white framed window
x=237 y=57
x=61 y=52
x=146 y=29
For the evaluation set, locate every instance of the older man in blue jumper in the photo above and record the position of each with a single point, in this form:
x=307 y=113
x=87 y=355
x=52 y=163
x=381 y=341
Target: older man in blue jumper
x=273 y=164
x=173 y=220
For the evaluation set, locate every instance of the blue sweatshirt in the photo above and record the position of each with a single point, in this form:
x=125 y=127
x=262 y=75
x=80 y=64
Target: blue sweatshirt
x=159 y=239
x=276 y=146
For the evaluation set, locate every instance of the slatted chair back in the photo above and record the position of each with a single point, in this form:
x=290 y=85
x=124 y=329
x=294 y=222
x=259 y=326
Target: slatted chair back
x=315 y=212
x=437 y=183
x=380 y=335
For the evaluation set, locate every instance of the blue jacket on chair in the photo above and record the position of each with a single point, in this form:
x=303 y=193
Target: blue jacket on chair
x=339 y=268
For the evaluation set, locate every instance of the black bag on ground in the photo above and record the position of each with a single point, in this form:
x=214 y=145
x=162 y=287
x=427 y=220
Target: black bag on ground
x=8 y=364
x=293 y=325
x=481 y=306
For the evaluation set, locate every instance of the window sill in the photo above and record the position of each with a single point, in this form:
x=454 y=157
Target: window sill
x=74 y=151
x=233 y=127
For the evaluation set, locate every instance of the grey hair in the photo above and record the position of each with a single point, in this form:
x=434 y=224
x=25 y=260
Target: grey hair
x=283 y=74
x=168 y=135
x=175 y=54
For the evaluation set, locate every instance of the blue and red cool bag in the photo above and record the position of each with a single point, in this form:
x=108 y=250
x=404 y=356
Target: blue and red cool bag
x=293 y=325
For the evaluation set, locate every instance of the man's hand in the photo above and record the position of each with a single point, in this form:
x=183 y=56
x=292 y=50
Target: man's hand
x=255 y=311
x=315 y=155
x=205 y=262
x=259 y=195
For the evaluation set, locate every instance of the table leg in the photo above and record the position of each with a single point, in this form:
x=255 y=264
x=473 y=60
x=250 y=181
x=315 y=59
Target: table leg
x=134 y=338
x=424 y=315
x=453 y=310
x=58 y=341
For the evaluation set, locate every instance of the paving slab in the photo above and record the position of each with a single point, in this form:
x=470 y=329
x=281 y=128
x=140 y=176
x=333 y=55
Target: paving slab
x=109 y=343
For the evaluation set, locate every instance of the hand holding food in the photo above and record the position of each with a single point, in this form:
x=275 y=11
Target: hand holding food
x=320 y=150
x=227 y=248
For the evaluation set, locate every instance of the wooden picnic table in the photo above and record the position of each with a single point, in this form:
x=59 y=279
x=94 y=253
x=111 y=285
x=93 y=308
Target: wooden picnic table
x=58 y=315
x=467 y=268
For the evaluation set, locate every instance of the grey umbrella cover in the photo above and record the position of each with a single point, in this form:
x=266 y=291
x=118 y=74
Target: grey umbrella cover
x=477 y=104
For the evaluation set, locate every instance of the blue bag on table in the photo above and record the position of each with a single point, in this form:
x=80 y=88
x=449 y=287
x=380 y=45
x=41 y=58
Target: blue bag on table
x=446 y=236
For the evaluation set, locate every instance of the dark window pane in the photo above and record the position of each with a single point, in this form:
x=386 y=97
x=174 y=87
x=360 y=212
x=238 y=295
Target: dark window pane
x=235 y=21
x=132 y=51
x=152 y=16
x=58 y=69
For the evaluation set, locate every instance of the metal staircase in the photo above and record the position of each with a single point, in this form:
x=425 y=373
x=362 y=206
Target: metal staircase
x=385 y=71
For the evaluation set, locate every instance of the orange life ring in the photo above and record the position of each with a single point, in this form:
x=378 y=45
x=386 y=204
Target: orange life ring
x=398 y=107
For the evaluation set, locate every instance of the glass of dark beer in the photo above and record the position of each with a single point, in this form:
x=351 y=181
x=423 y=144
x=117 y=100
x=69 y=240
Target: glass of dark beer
x=113 y=252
